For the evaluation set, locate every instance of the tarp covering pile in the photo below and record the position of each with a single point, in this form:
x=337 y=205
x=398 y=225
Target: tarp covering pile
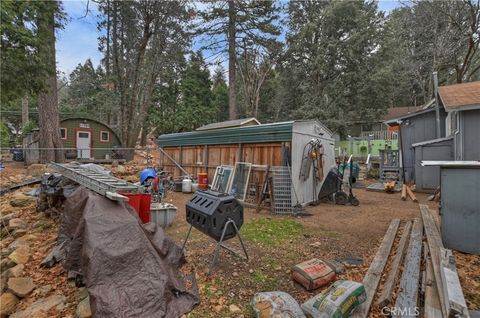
x=130 y=270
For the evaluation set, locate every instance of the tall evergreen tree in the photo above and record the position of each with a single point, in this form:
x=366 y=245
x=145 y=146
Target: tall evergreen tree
x=226 y=24
x=196 y=96
x=332 y=49
x=48 y=113
x=220 y=94
x=144 y=39
x=23 y=70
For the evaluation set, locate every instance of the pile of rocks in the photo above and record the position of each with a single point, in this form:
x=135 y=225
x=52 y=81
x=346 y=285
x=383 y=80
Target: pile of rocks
x=20 y=296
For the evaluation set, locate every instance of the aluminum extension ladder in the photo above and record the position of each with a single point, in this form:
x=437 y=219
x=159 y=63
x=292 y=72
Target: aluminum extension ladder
x=105 y=185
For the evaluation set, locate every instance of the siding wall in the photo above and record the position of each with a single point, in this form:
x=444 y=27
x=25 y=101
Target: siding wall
x=417 y=129
x=427 y=179
x=469 y=135
x=302 y=133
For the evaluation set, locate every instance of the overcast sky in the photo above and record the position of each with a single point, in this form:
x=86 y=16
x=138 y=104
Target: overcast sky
x=78 y=40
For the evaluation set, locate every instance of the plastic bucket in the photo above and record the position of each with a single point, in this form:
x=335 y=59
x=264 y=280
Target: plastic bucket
x=203 y=180
x=141 y=203
x=145 y=202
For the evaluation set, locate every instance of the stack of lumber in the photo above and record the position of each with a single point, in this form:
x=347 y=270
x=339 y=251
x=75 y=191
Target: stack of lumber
x=408 y=190
x=421 y=278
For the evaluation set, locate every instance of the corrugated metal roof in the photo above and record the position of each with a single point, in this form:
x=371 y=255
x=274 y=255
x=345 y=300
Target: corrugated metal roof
x=460 y=96
x=275 y=132
x=230 y=124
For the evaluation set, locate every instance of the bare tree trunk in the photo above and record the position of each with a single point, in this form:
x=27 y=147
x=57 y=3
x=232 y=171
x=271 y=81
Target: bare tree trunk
x=25 y=111
x=143 y=137
x=232 y=61
x=48 y=114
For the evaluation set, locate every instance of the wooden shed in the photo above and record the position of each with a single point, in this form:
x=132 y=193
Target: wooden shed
x=91 y=138
x=276 y=144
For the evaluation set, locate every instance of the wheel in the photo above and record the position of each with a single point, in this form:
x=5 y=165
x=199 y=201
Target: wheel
x=354 y=201
x=340 y=198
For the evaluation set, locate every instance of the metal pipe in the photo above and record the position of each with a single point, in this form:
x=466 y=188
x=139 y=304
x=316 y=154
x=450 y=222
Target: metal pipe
x=174 y=161
x=437 y=104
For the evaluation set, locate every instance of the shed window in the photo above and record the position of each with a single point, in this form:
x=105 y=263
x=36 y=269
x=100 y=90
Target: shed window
x=63 y=133
x=104 y=136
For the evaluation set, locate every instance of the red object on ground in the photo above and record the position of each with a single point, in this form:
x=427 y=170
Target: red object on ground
x=141 y=203
x=203 y=180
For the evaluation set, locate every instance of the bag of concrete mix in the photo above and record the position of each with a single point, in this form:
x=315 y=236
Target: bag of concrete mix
x=313 y=274
x=337 y=301
x=275 y=305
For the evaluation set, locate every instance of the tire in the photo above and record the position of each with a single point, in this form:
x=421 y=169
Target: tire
x=340 y=198
x=354 y=201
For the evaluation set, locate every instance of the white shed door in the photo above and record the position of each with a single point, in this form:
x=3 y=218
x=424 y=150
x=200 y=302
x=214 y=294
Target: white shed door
x=83 y=144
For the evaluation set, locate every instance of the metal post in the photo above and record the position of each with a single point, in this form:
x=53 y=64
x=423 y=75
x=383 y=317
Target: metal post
x=186 y=238
x=219 y=244
x=437 y=104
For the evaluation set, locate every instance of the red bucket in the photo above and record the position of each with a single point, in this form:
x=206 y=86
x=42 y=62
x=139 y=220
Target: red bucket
x=141 y=203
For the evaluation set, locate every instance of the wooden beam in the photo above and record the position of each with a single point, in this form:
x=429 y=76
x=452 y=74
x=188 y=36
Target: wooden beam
x=404 y=192
x=408 y=295
x=432 y=307
x=411 y=195
x=374 y=273
x=205 y=158
x=452 y=290
x=391 y=281
x=434 y=244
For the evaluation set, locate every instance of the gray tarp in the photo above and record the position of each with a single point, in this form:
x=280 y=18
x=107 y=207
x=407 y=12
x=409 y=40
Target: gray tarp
x=130 y=270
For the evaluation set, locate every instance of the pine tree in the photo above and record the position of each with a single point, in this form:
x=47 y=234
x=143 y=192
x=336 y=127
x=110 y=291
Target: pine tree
x=332 y=50
x=238 y=22
x=196 y=96
x=220 y=94
x=48 y=113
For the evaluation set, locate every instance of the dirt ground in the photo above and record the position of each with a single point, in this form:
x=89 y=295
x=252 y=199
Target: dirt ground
x=331 y=232
x=274 y=245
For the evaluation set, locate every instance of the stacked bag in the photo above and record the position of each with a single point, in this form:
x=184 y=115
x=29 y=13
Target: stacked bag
x=337 y=301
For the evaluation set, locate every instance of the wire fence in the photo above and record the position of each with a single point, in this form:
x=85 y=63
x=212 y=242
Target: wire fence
x=33 y=154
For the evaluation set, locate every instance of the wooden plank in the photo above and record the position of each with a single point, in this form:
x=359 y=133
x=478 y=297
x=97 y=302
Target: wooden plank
x=374 y=273
x=411 y=195
x=408 y=295
x=434 y=244
x=432 y=307
x=453 y=294
x=389 y=285
x=404 y=192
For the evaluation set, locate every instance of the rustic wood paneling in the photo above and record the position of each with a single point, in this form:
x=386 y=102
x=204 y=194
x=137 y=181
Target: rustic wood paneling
x=194 y=162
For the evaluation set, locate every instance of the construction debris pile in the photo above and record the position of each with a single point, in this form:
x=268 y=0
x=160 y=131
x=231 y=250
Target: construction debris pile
x=114 y=266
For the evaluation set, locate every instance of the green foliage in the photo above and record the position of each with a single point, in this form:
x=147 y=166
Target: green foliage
x=4 y=135
x=253 y=24
x=196 y=104
x=23 y=70
x=273 y=232
x=220 y=94
x=88 y=92
x=331 y=57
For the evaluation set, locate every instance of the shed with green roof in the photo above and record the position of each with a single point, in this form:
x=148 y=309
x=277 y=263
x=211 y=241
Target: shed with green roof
x=275 y=144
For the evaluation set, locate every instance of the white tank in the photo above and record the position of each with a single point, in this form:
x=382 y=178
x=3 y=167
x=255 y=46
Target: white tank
x=194 y=187
x=186 y=185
